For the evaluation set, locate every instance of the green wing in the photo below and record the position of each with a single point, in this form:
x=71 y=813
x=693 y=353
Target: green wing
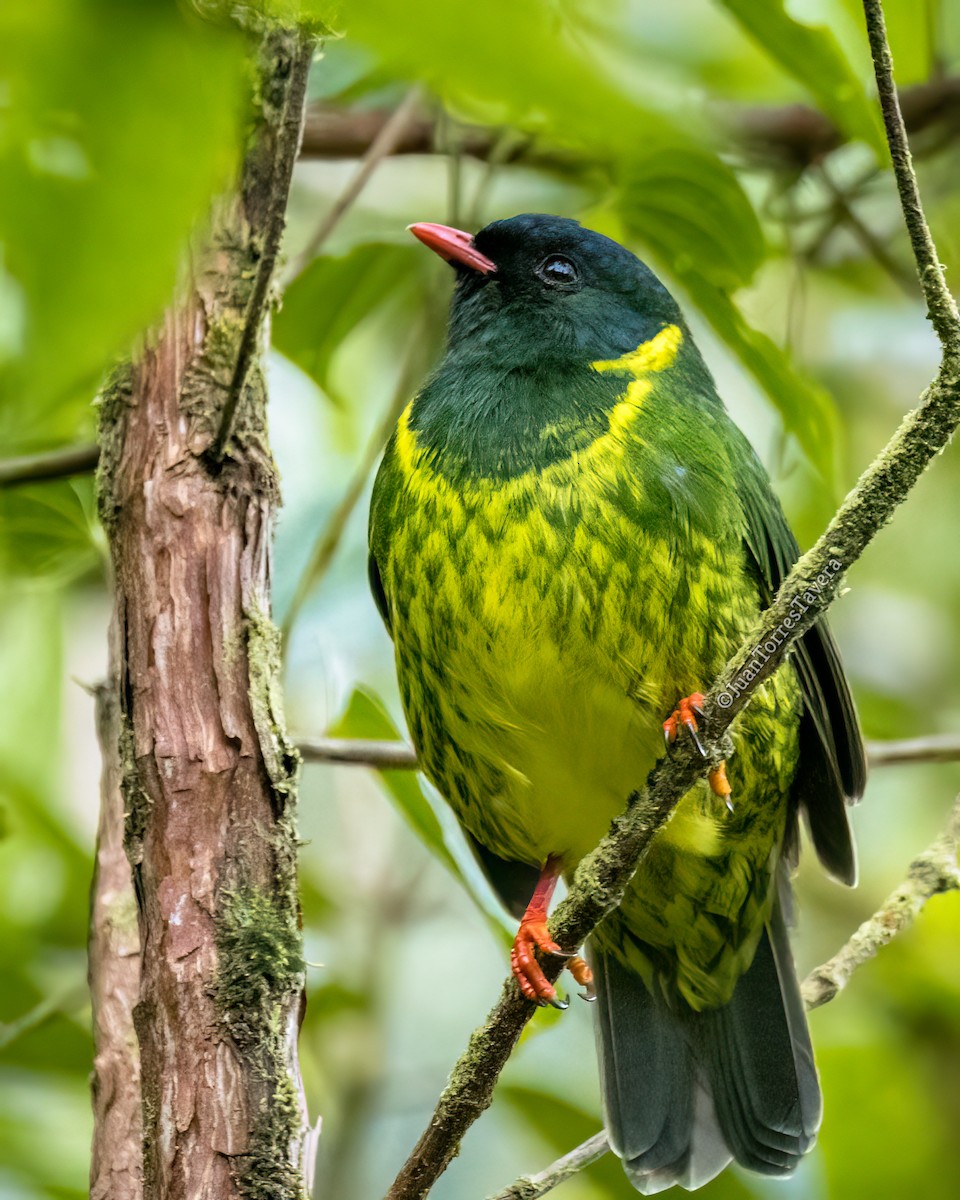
x=832 y=768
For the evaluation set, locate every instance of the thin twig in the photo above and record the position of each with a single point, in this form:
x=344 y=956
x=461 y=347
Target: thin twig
x=272 y=223
x=384 y=756
x=326 y=545
x=795 y=134
x=56 y=464
x=805 y=595
x=529 y=1187
x=941 y=305
x=930 y=874
x=382 y=146
x=398 y=756
x=936 y=748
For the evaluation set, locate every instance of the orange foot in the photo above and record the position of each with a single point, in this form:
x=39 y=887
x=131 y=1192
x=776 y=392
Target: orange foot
x=685 y=714
x=720 y=785
x=533 y=935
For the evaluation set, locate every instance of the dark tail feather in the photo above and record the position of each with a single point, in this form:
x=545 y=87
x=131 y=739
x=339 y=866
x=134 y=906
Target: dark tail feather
x=659 y=1117
x=758 y=1060
x=683 y=1093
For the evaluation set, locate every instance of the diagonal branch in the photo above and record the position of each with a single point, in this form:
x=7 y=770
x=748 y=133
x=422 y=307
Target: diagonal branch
x=382 y=146
x=266 y=189
x=941 y=305
x=805 y=595
x=933 y=872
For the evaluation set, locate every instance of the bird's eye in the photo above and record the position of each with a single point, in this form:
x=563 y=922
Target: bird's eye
x=558 y=271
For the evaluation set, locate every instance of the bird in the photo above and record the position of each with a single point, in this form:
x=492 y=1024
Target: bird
x=568 y=538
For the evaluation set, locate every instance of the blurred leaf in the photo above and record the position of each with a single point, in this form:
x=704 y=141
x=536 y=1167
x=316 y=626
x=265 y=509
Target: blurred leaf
x=46 y=531
x=366 y=717
x=332 y=296
x=808 y=410
x=812 y=55
x=884 y=1127
x=469 y=55
x=686 y=204
x=123 y=120
x=690 y=209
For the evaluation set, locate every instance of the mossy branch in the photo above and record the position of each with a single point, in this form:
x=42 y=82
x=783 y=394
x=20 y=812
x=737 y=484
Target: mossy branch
x=804 y=597
x=931 y=873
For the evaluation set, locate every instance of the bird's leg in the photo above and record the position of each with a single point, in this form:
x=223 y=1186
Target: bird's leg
x=533 y=935
x=684 y=715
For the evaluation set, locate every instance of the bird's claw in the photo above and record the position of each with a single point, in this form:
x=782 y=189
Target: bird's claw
x=533 y=935
x=684 y=715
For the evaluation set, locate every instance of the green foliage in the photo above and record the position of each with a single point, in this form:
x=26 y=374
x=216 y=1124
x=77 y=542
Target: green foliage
x=120 y=122
x=811 y=54
x=324 y=304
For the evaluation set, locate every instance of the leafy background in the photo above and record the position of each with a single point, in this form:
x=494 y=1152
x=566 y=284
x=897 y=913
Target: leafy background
x=663 y=125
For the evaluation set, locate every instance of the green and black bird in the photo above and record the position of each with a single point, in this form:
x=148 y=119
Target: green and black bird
x=568 y=539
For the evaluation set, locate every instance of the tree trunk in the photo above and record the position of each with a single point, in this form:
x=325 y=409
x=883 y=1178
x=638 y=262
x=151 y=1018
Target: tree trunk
x=188 y=493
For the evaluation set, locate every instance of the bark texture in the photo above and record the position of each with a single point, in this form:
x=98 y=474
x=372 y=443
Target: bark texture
x=188 y=492
x=114 y=975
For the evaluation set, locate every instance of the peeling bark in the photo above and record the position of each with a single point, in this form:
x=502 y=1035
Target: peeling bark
x=188 y=492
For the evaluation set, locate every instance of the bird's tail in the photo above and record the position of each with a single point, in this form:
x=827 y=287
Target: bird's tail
x=686 y=1093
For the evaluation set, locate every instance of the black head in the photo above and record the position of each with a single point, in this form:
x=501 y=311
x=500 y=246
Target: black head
x=537 y=288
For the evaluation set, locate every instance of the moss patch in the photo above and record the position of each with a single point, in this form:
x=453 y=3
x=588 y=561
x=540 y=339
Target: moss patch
x=260 y=964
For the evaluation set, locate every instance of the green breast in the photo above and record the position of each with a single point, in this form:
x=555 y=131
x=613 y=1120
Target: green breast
x=546 y=621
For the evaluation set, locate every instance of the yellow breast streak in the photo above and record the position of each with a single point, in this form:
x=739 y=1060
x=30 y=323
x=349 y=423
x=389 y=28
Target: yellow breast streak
x=603 y=455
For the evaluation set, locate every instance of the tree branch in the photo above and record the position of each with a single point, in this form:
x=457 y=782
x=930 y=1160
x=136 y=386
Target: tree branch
x=56 y=464
x=266 y=188
x=930 y=874
x=941 y=306
x=805 y=595
x=207 y=772
x=936 y=748
x=529 y=1187
x=383 y=144
x=358 y=752
x=794 y=135
x=398 y=756
x=114 y=961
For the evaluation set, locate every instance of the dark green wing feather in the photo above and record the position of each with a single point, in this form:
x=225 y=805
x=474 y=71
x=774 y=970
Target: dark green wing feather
x=832 y=768
x=379 y=595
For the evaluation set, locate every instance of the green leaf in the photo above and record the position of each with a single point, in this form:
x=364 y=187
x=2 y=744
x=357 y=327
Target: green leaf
x=46 y=531
x=812 y=55
x=689 y=207
x=366 y=717
x=808 y=410
x=471 y=55
x=333 y=296
x=121 y=122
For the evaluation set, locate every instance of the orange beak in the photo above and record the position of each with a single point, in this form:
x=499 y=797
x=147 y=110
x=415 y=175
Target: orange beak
x=453 y=245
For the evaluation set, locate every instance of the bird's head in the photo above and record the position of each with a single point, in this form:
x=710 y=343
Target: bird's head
x=538 y=288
